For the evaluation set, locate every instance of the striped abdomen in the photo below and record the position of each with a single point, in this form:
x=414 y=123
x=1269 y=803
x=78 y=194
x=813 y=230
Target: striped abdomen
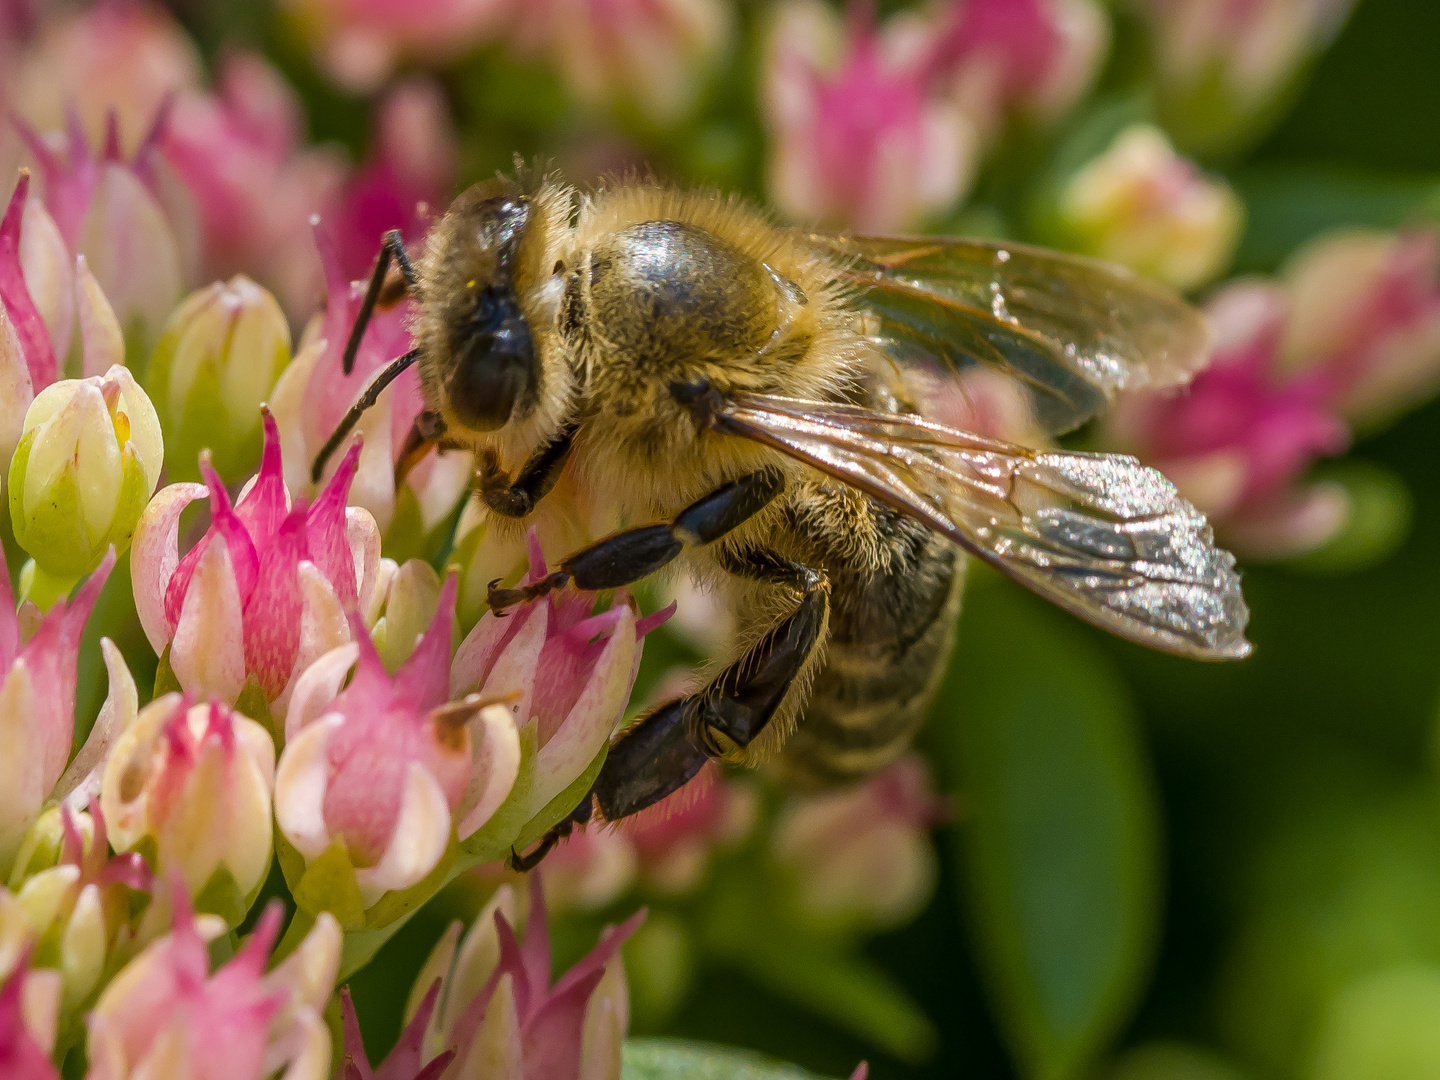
x=890 y=637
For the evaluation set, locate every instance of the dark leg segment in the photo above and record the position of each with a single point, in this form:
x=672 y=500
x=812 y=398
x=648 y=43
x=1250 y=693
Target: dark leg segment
x=537 y=477
x=661 y=752
x=628 y=556
x=392 y=245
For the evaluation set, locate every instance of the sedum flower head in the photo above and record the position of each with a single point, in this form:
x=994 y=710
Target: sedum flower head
x=129 y=218
x=265 y=591
x=190 y=786
x=215 y=364
x=314 y=394
x=1223 y=67
x=567 y=670
x=166 y=1014
x=79 y=909
x=29 y=1004
x=89 y=457
x=382 y=772
x=37 y=707
x=880 y=129
x=504 y=1016
x=862 y=858
x=1142 y=205
x=1347 y=337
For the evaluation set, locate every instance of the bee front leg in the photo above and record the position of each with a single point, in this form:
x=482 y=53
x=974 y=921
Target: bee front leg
x=628 y=556
x=537 y=476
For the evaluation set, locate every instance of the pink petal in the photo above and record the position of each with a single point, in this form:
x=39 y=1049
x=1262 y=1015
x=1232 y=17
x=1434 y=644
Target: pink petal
x=154 y=557
x=19 y=305
x=403 y=1062
x=593 y=963
x=552 y=1037
x=223 y=522
x=328 y=541
x=512 y=963
x=262 y=508
x=9 y=621
x=535 y=952
x=353 y=1041
x=273 y=612
x=20 y=1056
x=423 y=680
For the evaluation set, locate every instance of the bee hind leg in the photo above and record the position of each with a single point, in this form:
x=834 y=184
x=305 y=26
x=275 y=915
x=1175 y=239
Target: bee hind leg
x=661 y=752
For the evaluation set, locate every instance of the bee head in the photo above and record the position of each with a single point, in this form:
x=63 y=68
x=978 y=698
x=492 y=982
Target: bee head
x=492 y=367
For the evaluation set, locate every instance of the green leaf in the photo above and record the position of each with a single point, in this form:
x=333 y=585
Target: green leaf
x=1060 y=832
x=165 y=680
x=327 y=884
x=494 y=839
x=221 y=896
x=252 y=703
x=848 y=991
x=1378 y=522
x=561 y=806
x=677 y=1059
x=1288 y=205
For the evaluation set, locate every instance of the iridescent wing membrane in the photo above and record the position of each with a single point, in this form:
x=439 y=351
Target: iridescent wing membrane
x=1101 y=535
x=1070 y=331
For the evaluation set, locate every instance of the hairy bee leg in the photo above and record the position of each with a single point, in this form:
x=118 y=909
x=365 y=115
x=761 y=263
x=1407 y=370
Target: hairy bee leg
x=393 y=245
x=629 y=556
x=661 y=752
x=372 y=394
x=537 y=476
x=424 y=436
x=579 y=816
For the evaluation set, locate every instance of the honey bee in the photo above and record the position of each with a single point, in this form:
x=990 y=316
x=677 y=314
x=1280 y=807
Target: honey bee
x=746 y=389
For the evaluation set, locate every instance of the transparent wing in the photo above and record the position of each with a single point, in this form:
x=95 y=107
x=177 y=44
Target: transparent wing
x=1071 y=331
x=1099 y=534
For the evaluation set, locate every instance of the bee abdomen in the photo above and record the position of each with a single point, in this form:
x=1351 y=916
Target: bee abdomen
x=890 y=638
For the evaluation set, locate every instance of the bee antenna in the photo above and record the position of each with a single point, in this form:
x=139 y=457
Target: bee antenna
x=387 y=375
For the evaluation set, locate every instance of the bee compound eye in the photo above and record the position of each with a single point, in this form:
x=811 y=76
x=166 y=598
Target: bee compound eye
x=495 y=370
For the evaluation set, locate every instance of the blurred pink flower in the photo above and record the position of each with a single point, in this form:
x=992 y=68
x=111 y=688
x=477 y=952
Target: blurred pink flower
x=570 y=671
x=385 y=767
x=1349 y=335
x=404 y=1062
x=862 y=857
x=166 y=1014
x=1141 y=204
x=22 y=315
x=121 y=56
x=880 y=129
x=313 y=395
x=29 y=1001
x=266 y=590
x=193 y=782
x=81 y=906
x=361 y=42
x=653 y=54
x=404 y=184
x=1220 y=65
x=520 y=1025
x=37 y=703
x=129 y=218
x=675 y=839
x=240 y=153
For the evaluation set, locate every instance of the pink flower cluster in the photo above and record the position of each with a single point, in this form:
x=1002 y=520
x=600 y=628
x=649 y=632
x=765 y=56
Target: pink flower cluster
x=881 y=129
x=1349 y=336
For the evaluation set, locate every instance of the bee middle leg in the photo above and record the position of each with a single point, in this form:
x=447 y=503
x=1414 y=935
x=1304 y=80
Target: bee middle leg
x=633 y=554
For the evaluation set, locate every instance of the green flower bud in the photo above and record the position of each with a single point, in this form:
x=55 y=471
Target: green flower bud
x=89 y=457
x=217 y=360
